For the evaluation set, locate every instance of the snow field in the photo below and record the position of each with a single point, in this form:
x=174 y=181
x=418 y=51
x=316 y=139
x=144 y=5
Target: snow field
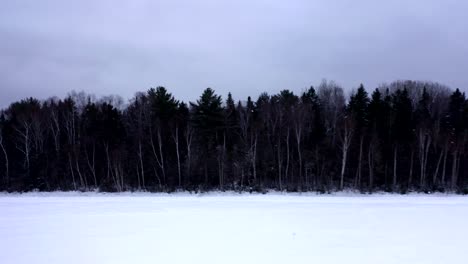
x=273 y=228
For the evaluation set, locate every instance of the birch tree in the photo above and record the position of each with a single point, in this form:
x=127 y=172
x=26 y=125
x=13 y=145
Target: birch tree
x=6 y=178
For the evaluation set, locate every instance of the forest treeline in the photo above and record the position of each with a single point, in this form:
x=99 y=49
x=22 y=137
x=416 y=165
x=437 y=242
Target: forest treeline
x=404 y=136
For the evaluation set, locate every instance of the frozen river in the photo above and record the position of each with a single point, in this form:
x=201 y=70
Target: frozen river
x=232 y=228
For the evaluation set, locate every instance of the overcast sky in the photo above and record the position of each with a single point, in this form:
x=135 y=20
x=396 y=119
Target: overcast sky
x=51 y=47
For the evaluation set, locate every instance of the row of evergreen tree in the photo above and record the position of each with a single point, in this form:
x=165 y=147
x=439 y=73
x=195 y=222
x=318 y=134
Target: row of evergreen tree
x=407 y=135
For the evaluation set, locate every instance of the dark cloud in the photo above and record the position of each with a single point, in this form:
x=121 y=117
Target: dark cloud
x=51 y=47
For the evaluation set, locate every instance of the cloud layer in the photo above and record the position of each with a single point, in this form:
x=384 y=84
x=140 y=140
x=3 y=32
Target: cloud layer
x=51 y=47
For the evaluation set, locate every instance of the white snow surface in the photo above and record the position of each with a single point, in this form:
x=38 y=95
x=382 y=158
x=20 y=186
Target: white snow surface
x=231 y=228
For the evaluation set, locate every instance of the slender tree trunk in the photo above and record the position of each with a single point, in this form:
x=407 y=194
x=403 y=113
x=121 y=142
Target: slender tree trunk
x=395 y=152
x=82 y=179
x=55 y=128
x=91 y=166
x=279 y=163
x=221 y=160
x=224 y=160
x=286 y=172
x=71 y=171
x=142 y=168
x=106 y=147
x=206 y=172
x=157 y=177
x=370 y=161
x=421 y=157
x=119 y=176
x=254 y=158
x=345 y=146
x=444 y=168
x=176 y=141
x=188 y=142
x=318 y=179
x=424 y=144
x=115 y=171
x=26 y=145
x=359 y=174
x=386 y=174
x=137 y=170
x=155 y=154
x=426 y=155
x=434 y=177
x=7 y=163
x=242 y=177
x=410 y=179
x=454 y=170
x=299 y=152
x=343 y=167
x=161 y=155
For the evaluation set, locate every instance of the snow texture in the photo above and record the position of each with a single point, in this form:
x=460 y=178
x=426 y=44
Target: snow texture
x=232 y=228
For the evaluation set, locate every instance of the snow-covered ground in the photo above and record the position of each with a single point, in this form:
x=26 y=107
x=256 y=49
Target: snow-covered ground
x=273 y=228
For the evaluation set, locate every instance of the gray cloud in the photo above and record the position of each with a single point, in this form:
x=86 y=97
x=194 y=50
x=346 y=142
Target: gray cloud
x=51 y=47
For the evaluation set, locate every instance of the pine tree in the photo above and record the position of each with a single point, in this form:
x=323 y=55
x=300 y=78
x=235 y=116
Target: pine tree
x=402 y=129
x=376 y=125
x=358 y=110
x=457 y=118
x=208 y=122
x=163 y=104
x=163 y=108
x=423 y=134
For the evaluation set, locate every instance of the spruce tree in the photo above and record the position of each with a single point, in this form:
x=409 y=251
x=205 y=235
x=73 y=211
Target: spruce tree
x=208 y=121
